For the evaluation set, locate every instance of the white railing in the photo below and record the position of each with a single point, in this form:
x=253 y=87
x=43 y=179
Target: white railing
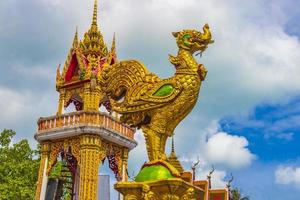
x=85 y=118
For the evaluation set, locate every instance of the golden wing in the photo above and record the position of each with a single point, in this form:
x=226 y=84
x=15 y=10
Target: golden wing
x=148 y=95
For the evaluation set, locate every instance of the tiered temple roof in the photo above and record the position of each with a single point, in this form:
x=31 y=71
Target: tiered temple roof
x=77 y=83
x=86 y=57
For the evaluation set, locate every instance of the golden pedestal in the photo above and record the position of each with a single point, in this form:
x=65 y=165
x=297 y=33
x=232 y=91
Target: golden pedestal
x=169 y=189
x=158 y=180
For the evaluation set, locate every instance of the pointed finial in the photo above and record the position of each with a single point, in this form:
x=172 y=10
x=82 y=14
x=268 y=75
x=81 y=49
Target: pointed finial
x=95 y=13
x=194 y=168
x=75 y=41
x=113 y=45
x=173 y=148
x=228 y=185
x=209 y=176
x=58 y=73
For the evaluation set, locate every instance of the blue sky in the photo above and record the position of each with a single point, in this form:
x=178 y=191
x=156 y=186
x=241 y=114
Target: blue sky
x=247 y=119
x=272 y=130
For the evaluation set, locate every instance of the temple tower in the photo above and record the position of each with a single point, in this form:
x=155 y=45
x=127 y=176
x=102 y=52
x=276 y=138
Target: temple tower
x=83 y=138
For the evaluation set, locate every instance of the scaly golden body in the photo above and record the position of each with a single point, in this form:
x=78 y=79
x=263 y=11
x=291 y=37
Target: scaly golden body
x=158 y=105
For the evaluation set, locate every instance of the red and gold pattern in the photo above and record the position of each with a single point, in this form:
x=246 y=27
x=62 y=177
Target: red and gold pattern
x=77 y=84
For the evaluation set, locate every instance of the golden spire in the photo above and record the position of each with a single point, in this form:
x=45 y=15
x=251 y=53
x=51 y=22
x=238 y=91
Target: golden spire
x=113 y=45
x=93 y=42
x=173 y=154
x=172 y=159
x=173 y=149
x=75 y=40
x=95 y=14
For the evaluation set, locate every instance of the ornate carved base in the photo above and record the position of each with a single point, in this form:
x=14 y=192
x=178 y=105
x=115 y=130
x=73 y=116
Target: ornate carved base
x=169 y=189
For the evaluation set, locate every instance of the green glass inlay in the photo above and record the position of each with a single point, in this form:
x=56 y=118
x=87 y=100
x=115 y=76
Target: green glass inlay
x=184 y=38
x=153 y=173
x=164 y=90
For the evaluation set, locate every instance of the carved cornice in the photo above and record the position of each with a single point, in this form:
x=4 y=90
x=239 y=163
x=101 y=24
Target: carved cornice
x=107 y=134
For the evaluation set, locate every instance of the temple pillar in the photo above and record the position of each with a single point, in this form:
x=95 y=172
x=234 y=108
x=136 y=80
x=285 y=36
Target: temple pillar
x=125 y=165
x=42 y=177
x=90 y=157
x=87 y=97
x=123 y=169
x=60 y=103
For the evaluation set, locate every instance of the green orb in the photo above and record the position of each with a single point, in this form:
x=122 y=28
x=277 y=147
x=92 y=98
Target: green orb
x=153 y=173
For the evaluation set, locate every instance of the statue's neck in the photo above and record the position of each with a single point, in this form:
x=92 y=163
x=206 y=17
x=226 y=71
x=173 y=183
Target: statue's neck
x=190 y=61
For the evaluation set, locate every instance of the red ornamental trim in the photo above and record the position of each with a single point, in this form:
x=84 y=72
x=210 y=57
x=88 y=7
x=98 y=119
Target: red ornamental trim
x=72 y=68
x=113 y=165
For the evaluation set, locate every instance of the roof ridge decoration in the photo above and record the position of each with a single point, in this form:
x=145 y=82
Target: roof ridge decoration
x=113 y=44
x=75 y=40
x=83 y=65
x=93 y=42
x=95 y=14
x=89 y=54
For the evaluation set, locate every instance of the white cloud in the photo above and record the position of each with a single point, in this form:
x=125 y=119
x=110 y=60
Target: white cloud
x=12 y=103
x=228 y=150
x=218 y=179
x=35 y=72
x=287 y=175
x=20 y=109
x=286 y=136
x=138 y=155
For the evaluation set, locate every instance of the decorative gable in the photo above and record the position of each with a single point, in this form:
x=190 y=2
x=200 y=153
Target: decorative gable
x=82 y=71
x=73 y=69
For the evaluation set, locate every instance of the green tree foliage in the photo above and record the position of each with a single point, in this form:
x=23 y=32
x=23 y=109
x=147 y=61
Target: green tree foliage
x=19 y=166
x=56 y=171
x=236 y=195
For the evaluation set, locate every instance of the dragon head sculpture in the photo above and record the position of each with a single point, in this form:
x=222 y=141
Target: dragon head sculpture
x=192 y=40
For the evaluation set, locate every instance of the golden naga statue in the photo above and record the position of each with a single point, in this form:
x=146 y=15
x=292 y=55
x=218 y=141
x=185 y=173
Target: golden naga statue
x=158 y=105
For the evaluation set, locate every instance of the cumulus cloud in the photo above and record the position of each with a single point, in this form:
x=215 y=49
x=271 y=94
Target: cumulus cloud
x=138 y=155
x=218 y=179
x=11 y=104
x=21 y=109
x=287 y=175
x=229 y=150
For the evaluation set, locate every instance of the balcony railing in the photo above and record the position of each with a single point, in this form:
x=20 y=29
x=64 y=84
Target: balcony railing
x=89 y=118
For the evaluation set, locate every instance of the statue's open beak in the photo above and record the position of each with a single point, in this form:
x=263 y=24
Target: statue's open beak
x=206 y=35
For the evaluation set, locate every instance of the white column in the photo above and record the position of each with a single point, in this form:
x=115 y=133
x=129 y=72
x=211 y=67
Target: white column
x=44 y=182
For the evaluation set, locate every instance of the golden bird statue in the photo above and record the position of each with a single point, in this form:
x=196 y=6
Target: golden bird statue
x=158 y=105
